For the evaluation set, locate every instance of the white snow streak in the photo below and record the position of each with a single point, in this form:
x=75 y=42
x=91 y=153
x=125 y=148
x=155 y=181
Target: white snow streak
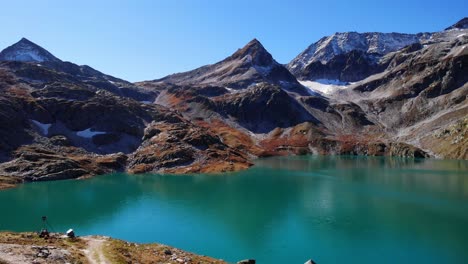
x=324 y=86
x=87 y=133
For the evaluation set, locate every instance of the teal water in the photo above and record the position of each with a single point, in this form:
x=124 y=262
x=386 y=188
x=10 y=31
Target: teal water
x=283 y=210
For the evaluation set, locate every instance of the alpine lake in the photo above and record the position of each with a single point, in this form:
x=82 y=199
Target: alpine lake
x=332 y=209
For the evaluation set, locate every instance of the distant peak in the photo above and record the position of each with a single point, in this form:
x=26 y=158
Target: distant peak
x=26 y=51
x=254 y=48
x=462 y=24
x=25 y=40
x=254 y=42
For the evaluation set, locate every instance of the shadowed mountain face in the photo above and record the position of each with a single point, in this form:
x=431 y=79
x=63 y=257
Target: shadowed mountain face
x=264 y=108
x=260 y=109
x=350 y=67
x=248 y=66
x=31 y=63
x=25 y=50
x=462 y=24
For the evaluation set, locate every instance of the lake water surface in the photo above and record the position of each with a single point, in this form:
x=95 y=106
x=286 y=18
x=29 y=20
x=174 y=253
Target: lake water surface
x=283 y=210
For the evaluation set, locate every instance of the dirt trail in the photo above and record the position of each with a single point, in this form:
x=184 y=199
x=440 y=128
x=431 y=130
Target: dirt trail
x=94 y=251
x=58 y=249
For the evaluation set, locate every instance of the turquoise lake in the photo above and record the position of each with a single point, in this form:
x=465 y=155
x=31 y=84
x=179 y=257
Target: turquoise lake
x=335 y=209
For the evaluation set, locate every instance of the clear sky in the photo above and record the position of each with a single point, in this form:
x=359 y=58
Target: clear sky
x=142 y=40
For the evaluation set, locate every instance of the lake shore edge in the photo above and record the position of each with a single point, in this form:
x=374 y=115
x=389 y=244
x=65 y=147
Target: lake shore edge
x=394 y=150
x=28 y=247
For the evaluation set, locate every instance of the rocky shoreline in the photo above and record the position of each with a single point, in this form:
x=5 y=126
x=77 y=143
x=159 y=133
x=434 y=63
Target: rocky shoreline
x=110 y=164
x=58 y=248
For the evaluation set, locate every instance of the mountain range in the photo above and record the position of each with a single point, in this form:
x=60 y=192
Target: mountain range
x=349 y=93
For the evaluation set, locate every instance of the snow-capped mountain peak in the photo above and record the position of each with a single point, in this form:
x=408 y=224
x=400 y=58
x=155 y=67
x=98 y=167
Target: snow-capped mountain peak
x=340 y=43
x=27 y=51
x=333 y=57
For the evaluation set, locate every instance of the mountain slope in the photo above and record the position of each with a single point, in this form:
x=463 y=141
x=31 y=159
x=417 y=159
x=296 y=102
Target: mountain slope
x=421 y=94
x=462 y=24
x=250 y=65
x=330 y=56
x=25 y=50
x=59 y=120
x=34 y=64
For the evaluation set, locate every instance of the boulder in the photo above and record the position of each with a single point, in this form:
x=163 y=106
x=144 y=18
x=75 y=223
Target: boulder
x=60 y=140
x=70 y=233
x=246 y=261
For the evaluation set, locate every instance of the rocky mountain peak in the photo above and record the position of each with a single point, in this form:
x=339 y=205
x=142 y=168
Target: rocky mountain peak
x=248 y=66
x=462 y=24
x=255 y=53
x=254 y=43
x=25 y=41
x=327 y=50
x=27 y=51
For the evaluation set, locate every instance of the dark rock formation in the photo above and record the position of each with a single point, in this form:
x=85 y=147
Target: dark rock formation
x=349 y=67
x=462 y=24
x=25 y=50
x=263 y=108
x=349 y=56
x=247 y=261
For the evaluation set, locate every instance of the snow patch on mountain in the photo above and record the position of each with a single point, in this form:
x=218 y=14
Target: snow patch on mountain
x=233 y=90
x=325 y=86
x=87 y=133
x=25 y=54
x=339 y=43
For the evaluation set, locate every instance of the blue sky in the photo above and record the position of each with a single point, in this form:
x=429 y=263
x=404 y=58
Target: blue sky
x=142 y=40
